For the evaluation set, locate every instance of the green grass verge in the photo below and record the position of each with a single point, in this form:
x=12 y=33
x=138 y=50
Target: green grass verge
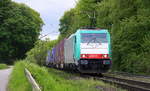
x=3 y=66
x=56 y=80
x=18 y=81
x=53 y=80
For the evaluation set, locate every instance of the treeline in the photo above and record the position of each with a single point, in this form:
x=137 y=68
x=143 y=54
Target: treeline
x=128 y=22
x=20 y=27
x=39 y=52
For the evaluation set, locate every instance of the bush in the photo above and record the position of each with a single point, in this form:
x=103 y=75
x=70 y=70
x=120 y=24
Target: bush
x=39 y=52
x=55 y=80
x=3 y=66
x=20 y=27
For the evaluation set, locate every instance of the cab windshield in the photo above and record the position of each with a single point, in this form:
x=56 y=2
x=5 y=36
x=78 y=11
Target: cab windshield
x=94 y=38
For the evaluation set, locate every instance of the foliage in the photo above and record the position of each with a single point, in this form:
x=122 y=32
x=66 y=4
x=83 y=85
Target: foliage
x=39 y=52
x=52 y=80
x=67 y=24
x=129 y=50
x=3 y=66
x=20 y=27
x=128 y=22
x=55 y=80
x=104 y=12
x=18 y=80
x=80 y=16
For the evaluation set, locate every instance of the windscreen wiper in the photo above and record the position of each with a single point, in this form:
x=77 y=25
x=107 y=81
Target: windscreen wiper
x=94 y=39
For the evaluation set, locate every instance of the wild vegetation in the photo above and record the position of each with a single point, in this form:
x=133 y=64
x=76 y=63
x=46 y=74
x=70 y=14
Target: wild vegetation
x=53 y=80
x=128 y=22
x=20 y=27
x=39 y=52
x=3 y=66
x=18 y=80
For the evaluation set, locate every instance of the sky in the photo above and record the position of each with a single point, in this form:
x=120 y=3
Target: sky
x=50 y=11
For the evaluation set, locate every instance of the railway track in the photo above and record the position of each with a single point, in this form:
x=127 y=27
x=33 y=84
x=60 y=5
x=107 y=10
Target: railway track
x=129 y=85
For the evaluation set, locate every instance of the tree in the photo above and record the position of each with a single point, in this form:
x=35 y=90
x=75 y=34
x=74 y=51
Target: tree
x=39 y=52
x=128 y=22
x=20 y=27
x=104 y=12
x=83 y=15
x=66 y=22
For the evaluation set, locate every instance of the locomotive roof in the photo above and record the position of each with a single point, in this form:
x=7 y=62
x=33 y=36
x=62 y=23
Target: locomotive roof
x=92 y=31
x=88 y=31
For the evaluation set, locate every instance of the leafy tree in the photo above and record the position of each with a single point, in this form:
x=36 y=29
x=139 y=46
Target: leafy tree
x=130 y=34
x=83 y=15
x=66 y=22
x=20 y=27
x=39 y=52
x=128 y=22
x=86 y=12
x=104 y=12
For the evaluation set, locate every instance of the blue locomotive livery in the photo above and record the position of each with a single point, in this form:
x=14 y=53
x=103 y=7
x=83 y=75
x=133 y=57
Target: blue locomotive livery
x=87 y=50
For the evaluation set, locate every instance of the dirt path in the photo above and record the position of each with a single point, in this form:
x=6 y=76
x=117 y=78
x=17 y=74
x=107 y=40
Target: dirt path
x=4 y=77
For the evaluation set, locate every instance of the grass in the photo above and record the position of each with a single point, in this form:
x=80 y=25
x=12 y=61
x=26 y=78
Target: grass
x=53 y=80
x=18 y=81
x=3 y=66
x=56 y=80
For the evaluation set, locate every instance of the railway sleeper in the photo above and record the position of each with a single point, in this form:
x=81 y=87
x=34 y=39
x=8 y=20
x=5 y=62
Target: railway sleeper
x=125 y=85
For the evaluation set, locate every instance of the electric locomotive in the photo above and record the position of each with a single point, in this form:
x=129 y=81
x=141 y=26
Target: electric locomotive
x=87 y=50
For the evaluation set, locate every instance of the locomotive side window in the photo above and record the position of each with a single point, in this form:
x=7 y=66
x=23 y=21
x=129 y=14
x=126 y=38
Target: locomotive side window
x=75 y=39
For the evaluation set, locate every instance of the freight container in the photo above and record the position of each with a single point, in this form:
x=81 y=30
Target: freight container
x=69 y=49
x=53 y=55
x=61 y=52
x=56 y=54
x=48 y=58
x=59 y=57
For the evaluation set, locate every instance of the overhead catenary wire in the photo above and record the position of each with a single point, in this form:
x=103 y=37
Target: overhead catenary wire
x=44 y=35
x=91 y=17
x=47 y=33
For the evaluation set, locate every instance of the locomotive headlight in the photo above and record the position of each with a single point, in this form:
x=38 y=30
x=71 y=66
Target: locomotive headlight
x=105 y=55
x=83 y=55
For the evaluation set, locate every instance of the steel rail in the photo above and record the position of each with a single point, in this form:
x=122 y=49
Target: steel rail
x=129 y=85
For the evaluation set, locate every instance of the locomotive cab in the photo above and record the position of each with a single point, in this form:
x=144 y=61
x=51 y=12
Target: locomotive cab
x=92 y=50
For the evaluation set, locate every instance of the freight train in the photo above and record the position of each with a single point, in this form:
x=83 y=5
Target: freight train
x=87 y=50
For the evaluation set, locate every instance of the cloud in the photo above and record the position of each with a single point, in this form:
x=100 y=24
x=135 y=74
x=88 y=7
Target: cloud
x=50 y=11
